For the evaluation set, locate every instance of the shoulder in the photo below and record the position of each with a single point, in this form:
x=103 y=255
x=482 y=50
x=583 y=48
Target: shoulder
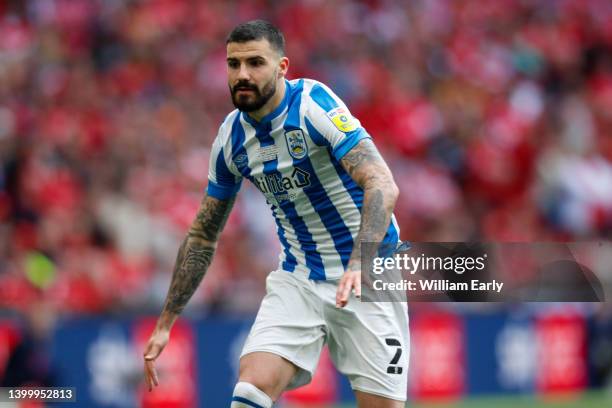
x=319 y=96
x=225 y=129
x=311 y=88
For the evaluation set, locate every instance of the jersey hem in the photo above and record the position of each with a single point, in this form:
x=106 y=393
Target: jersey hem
x=222 y=193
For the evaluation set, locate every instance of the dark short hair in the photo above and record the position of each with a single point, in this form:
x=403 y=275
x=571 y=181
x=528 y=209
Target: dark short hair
x=256 y=30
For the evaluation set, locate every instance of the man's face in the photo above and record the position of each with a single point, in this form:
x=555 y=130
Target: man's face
x=253 y=69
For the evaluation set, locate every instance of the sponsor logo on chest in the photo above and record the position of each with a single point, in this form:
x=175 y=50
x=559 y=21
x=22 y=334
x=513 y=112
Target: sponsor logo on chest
x=276 y=183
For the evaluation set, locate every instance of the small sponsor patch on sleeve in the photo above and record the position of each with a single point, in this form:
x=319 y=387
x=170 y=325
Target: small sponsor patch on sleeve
x=342 y=119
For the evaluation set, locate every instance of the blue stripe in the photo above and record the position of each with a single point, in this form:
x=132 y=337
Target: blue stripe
x=290 y=262
x=322 y=98
x=262 y=133
x=307 y=244
x=391 y=237
x=224 y=176
x=221 y=192
x=314 y=134
x=226 y=185
x=238 y=149
x=340 y=233
x=350 y=140
x=247 y=402
x=353 y=188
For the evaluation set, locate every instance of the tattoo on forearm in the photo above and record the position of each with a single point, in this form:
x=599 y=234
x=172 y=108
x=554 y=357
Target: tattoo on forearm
x=196 y=252
x=365 y=165
x=375 y=214
x=192 y=264
x=375 y=219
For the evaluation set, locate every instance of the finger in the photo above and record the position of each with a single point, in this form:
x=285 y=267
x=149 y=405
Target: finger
x=346 y=290
x=147 y=378
x=153 y=372
x=339 y=291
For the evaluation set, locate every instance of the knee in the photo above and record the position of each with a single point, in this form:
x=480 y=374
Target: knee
x=264 y=380
x=266 y=371
x=247 y=395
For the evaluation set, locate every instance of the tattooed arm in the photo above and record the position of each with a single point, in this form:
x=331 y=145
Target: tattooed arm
x=195 y=253
x=193 y=259
x=365 y=165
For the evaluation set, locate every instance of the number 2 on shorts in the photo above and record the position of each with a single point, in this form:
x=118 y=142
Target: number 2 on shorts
x=393 y=368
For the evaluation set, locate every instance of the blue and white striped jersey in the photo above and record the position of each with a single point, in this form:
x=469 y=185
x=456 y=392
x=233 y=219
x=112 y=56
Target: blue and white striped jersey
x=293 y=157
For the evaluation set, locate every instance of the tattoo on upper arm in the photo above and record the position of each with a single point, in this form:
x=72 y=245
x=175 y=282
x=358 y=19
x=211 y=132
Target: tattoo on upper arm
x=196 y=252
x=364 y=164
x=363 y=152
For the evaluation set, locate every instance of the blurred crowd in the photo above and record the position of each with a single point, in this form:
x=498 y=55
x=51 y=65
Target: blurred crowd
x=496 y=118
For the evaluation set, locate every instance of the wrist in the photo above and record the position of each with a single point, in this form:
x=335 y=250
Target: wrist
x=165 y=321
x=353 y=266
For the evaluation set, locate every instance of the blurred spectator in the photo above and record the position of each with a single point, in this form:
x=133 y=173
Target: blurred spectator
x=29 y=364
x=495 y=118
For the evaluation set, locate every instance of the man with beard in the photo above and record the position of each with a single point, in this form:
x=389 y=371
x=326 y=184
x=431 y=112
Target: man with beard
x=329 y=190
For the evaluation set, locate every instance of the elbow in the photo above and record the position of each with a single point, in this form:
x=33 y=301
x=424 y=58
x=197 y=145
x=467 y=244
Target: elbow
x=386 y=187
x=393 y=193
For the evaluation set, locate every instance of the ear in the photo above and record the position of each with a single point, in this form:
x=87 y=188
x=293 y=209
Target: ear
x=283 y=67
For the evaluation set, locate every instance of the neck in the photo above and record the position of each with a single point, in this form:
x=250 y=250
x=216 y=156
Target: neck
x=272 y=104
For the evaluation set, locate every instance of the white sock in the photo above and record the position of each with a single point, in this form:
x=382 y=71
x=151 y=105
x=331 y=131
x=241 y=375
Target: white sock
x=247 y=395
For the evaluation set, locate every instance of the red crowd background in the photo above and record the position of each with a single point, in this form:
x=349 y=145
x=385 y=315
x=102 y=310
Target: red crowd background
x=496 y=118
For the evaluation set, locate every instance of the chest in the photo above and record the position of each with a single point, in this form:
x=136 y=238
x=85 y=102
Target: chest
x=277 y=151
x=281 y=162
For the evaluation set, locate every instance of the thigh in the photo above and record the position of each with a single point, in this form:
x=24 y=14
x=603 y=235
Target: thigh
x=369 y=343
x=289 y=325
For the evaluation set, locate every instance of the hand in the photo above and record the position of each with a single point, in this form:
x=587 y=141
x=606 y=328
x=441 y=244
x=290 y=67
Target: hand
x=154 y=347
x=351 y=280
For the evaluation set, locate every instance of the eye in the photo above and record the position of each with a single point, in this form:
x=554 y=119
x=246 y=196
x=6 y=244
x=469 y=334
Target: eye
x=256 y=63
x=233 y=64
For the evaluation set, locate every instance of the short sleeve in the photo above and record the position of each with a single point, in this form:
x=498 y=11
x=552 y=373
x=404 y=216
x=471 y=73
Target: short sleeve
x=222 y=183
x=331 y=122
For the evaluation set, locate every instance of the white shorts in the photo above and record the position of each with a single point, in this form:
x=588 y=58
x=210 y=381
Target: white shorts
x=368 y=342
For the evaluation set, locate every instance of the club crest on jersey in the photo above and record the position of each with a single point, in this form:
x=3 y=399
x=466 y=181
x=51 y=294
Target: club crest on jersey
x=296 y=143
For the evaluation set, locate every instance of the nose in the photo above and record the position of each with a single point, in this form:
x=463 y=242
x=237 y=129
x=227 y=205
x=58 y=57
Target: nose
x=243 y=72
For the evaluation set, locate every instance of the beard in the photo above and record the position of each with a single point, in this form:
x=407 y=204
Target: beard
x=254 y=101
